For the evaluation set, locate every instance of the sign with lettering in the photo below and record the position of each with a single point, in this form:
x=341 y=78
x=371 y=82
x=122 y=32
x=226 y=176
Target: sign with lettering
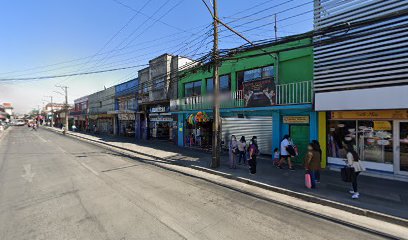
x=296 y=119
x=158 y=109
x=381 y=114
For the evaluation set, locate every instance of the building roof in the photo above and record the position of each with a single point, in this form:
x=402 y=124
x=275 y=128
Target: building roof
x=7 y=105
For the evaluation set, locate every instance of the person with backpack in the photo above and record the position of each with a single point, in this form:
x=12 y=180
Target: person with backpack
x=286 y=149
x=312 y=162
x=353 y=161
x=233 y=152
x=242 y=150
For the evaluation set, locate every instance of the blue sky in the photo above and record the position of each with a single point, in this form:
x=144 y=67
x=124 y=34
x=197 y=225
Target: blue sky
x=48 y=37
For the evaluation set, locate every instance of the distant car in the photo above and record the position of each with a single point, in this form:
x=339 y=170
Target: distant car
x=19 y=122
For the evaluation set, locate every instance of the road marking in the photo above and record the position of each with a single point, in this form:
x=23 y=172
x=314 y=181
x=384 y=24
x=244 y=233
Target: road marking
x=28 y=175
x=42 y=139
x=90 y=169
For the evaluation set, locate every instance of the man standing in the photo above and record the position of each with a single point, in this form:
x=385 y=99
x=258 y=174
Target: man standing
x=285 y=153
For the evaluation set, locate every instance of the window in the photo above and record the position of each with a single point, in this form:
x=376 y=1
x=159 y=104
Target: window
x=371 y=139
x=225 y=84
x=254 y=74
x=159 y=84
x=192 y=89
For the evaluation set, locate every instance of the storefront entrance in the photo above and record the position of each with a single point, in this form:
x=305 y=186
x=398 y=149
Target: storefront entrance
x=401 y=147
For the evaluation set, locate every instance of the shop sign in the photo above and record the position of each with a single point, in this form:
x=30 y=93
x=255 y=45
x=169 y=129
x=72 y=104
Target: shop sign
x=296 y=119
x=161 y=119
x=126 y=117
x=157 y=109
x=381 y=114
x=382 y=126
x=104 y=115
x=259 y=93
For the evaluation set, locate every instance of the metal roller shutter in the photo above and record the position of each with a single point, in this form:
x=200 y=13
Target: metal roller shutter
x=248 y=127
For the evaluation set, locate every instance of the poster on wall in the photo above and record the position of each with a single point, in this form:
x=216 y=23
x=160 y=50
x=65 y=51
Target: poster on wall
x=259 y=93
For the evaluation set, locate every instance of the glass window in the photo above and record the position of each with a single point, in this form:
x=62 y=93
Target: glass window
x=375 y=141
x=268 y=72
x=225 y=84
x=159 y=83
x=210 y=85
x=371 y=139
x=192 y=89
x=253 y=74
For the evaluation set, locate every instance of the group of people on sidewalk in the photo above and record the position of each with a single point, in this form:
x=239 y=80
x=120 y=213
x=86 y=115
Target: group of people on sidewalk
x=247 y=154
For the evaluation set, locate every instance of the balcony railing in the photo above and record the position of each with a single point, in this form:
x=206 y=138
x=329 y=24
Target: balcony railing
x=294 y=93
x=285 y=94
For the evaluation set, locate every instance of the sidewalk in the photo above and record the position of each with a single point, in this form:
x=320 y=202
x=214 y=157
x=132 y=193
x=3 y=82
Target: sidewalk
x=380 y=195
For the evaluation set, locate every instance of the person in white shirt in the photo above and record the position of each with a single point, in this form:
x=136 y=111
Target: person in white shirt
x=242 y=150
x=285 y=156
x=353 y=161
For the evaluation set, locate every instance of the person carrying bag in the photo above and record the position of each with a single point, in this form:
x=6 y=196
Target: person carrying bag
x=354 y=168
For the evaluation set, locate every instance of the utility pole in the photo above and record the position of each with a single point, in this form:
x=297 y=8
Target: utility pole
x=65 y=88
x=215 y=160
x=52 y=111
x=216 y=141
x=276 y=29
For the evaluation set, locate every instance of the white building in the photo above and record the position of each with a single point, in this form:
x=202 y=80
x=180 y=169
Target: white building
x=361 y=82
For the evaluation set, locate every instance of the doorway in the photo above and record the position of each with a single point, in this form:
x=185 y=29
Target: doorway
x=301 y=138
x=401 y=148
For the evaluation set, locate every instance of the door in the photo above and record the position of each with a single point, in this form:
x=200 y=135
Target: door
x=300 y=137
x=401 y=163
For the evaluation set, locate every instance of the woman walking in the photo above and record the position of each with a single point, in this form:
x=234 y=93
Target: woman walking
x=353 y=161
x=312 y=162
x=316 y=146
x=253 y=152
x=242 y=150
x=233 y=152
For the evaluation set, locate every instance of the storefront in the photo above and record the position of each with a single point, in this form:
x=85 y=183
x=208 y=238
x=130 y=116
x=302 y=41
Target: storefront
x=198 y=131
x=126 y=124
x=160 y=122
x=105 y=123
x=379 y=137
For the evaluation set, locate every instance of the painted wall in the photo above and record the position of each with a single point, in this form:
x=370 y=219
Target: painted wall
x=294 y=65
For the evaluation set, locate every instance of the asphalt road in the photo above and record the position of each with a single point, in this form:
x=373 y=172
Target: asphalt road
x=55 y=187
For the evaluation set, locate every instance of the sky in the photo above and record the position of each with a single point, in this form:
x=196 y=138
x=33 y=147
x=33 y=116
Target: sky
x=48 y=37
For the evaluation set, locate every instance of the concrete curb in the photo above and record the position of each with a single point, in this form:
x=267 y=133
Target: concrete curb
x=302 y=196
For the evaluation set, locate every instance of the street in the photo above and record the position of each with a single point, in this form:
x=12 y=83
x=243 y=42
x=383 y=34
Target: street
x=55 y=187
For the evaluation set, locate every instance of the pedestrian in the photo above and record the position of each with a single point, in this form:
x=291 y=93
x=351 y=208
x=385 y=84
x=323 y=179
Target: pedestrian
x=276 y=157
x=353 y=161
x=285 y=152
x=316 y=146
x=242 y=150
x=253 y=152
x=233 y=152
x=312 y=162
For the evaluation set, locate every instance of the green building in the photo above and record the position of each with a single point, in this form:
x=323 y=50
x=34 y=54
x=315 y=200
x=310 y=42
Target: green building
x=266 y=91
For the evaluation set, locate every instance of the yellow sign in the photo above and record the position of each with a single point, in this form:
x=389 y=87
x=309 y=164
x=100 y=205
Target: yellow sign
x=382 y=126
x=295 y=119
x=381 y=114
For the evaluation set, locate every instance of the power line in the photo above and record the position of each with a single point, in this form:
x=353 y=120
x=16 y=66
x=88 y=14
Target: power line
x=69 y=75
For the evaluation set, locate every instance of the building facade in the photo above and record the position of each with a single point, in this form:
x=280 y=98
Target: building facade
x=126 y=109
x=158 y=84
x=80 y=113
x=361 y=82
x=101 y=104
x=263 y=95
